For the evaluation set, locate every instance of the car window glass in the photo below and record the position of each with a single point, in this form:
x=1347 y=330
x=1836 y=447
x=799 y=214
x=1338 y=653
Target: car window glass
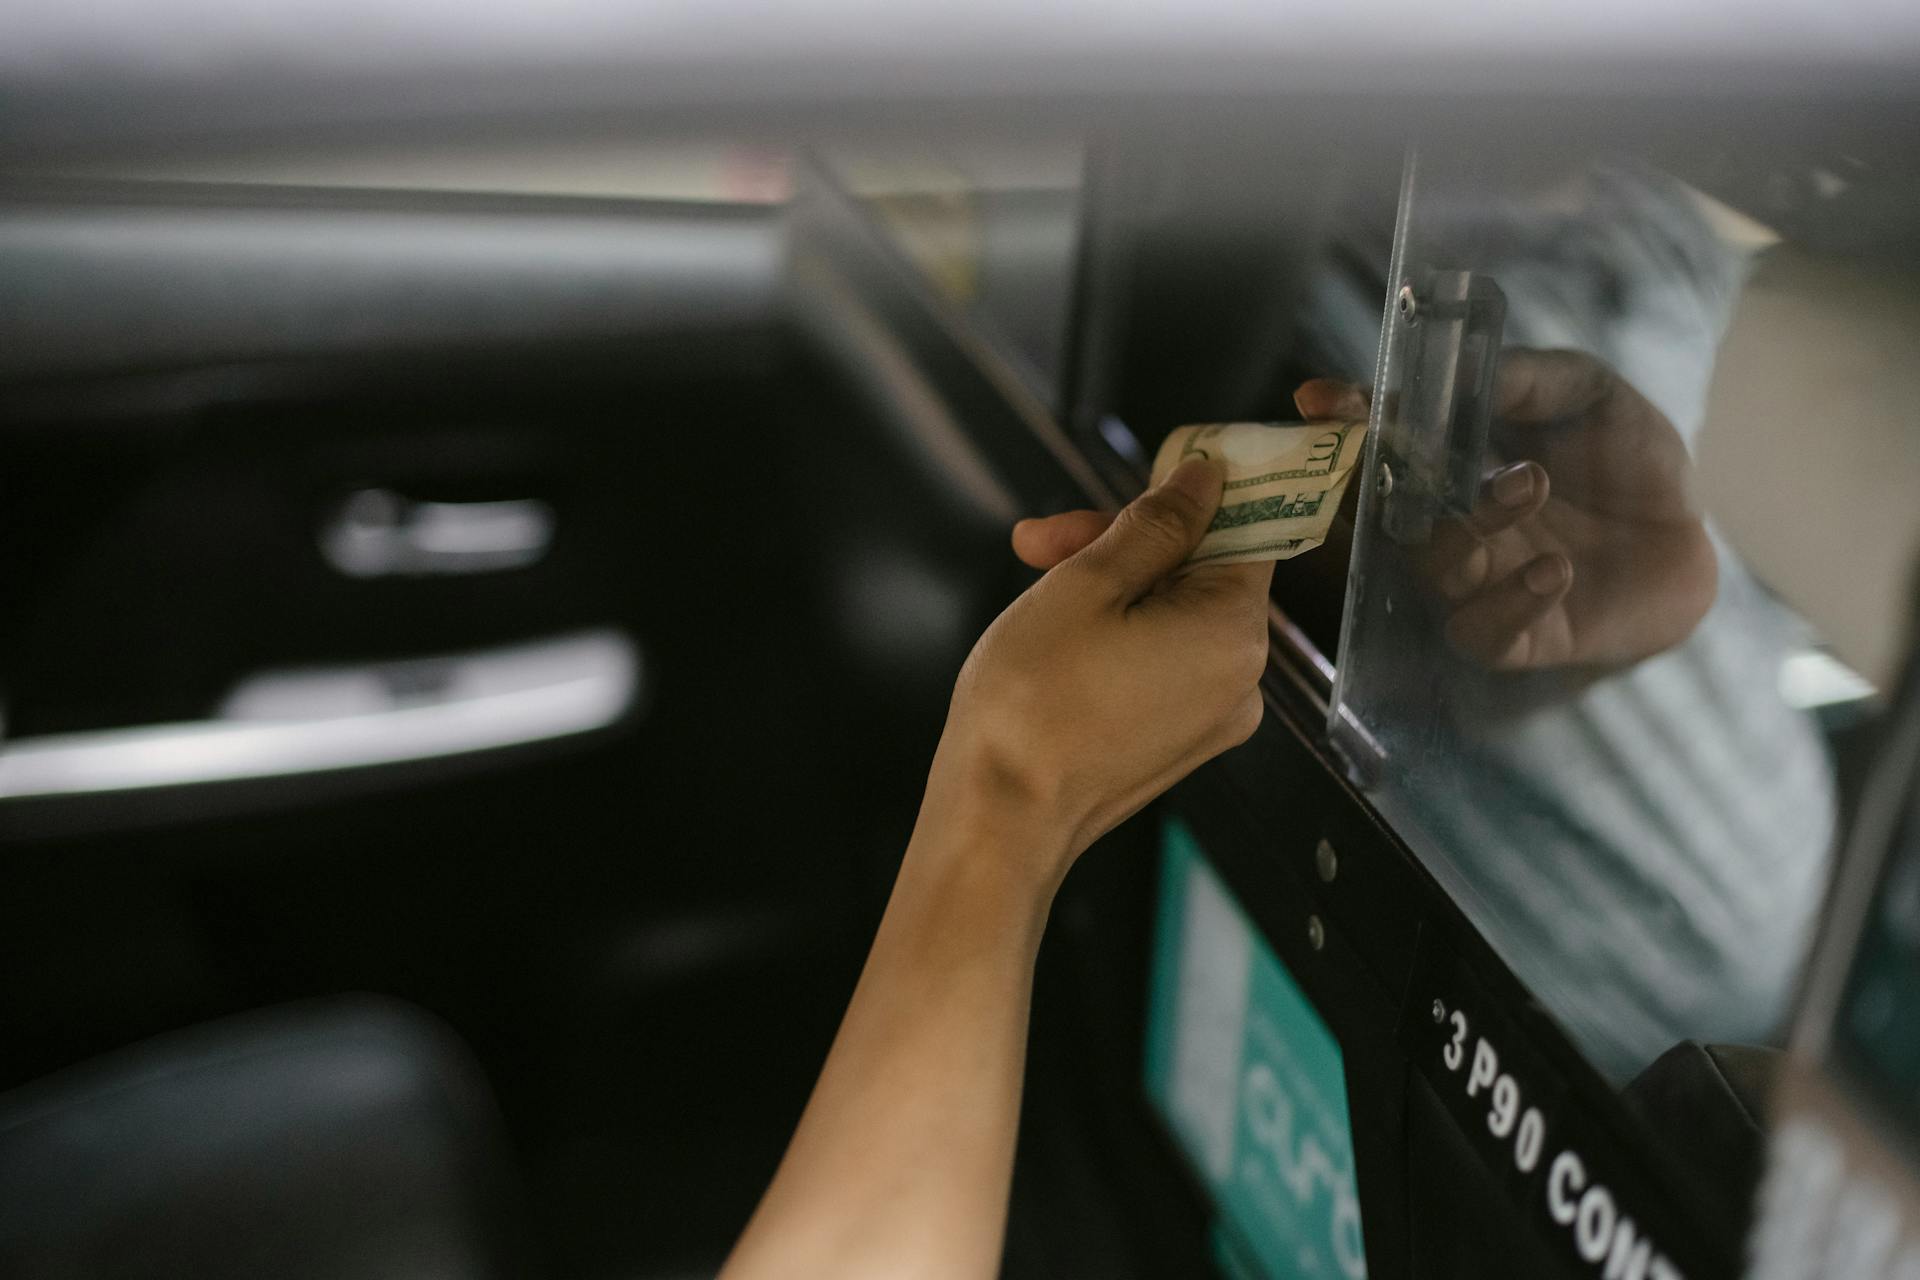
x=993 y=227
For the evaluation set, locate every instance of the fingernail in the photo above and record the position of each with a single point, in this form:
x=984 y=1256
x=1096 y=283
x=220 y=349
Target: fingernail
x=1199 y=477
x=1513 y=486
x=1547 y=575
x=1314 y=391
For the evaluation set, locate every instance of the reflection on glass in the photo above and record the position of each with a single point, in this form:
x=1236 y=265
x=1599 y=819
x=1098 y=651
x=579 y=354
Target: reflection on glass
x=1562 y=682
x=994 y=229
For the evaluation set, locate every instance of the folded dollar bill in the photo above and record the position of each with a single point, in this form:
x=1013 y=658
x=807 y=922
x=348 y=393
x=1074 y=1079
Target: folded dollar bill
x=1284 y=483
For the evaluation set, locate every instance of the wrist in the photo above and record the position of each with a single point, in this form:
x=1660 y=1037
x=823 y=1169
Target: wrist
x=991 y=833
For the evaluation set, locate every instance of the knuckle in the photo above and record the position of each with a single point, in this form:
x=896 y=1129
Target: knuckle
x=1459 y=579
x=1459 y=563
x=1585 y=378
x=1077 y=575
x=1515 y=655
x=1248 y=718
x=1545 y=382
x=1251 y=660
x=1163 y=516
x=1595 y=374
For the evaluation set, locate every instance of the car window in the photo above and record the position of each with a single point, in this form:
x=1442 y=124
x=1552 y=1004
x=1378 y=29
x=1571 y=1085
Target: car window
x=1632 y=557
x=993 y=226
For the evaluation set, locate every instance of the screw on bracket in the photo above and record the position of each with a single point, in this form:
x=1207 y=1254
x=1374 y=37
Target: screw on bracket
x=1326 y=861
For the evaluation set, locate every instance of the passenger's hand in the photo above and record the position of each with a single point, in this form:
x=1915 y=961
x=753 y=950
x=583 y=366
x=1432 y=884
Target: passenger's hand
x=1587 y=548
x=1110 y=679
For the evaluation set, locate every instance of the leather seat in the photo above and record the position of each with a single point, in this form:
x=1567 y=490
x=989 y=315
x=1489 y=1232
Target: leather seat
x=351 y=1137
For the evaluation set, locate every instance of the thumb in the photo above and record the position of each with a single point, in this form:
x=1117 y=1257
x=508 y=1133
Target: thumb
x=1156 y=532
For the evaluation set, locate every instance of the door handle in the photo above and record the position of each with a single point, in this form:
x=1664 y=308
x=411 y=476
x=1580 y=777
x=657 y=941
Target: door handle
x=377 y=533
x=282 y=724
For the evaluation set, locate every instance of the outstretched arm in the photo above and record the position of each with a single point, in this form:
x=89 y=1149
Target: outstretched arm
x=1109 y=680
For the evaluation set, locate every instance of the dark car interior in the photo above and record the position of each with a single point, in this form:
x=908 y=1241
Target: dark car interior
x=640 y=935
x=471 y=659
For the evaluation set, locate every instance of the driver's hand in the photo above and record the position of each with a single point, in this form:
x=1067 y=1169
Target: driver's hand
x=1112 y=677
x=1587 y=548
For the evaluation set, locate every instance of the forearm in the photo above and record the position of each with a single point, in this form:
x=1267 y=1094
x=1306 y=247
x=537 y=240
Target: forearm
x=1106 y=681
x=901 y=1163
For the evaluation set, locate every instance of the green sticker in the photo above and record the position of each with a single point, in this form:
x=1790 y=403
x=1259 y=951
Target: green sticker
x=1250 y=1080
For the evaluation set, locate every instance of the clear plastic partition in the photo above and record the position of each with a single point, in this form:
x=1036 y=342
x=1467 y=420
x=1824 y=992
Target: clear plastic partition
x=1633 y=548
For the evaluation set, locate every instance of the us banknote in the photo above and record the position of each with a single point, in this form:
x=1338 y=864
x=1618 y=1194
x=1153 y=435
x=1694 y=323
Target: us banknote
x=1283 y=484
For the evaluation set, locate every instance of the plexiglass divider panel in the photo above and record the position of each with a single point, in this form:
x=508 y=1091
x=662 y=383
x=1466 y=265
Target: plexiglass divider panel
x=1559 y=678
